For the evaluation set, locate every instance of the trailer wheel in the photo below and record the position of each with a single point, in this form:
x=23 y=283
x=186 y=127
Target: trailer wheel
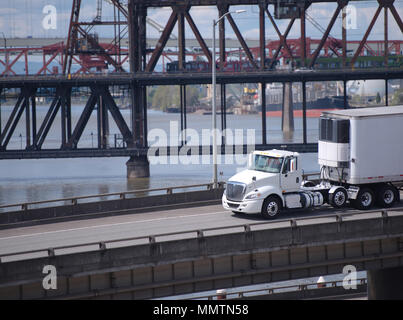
x=338 y=198
x=271 y=207
x=386 y=196
x=365 y=199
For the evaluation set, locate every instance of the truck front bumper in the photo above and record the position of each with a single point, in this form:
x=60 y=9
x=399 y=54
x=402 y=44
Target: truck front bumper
x=246 y=206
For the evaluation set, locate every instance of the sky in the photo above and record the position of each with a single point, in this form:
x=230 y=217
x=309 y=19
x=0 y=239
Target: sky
x=24 y=18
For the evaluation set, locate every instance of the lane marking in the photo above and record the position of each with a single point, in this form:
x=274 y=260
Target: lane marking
x=110 y=225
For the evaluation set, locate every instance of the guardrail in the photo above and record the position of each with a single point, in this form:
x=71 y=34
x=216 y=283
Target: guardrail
x=197 y=233
x=239 y=294
x=122 y=195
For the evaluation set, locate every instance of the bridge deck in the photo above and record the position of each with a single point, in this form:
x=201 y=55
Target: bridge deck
x=146 y=224
x=177 y=78
x=224 y=251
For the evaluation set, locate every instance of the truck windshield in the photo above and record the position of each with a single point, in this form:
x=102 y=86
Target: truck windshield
x=266 y=163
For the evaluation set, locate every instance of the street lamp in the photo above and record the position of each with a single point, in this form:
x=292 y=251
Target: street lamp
x=213 y=102
x=5 y=52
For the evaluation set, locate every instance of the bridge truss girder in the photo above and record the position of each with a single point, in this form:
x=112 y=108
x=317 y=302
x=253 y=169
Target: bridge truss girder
x=100 y=98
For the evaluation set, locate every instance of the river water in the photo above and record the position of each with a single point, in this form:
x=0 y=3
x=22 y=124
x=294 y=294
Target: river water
x=44 y=179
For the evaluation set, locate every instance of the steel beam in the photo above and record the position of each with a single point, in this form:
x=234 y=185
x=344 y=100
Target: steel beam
x=385 y=31
x=303 y=35
x=304 y=126
x=133 y=36
x=282 y=37
x=162 y=42
x=198 y=36
x=83 y=120
x=47 y=122
x=182 y=94
x=223 y=94
x=117 y=116
x=344 y=37
x=180 y=11
x=262 y=36
x=242 y=41
x=27 y=119
x=222 y=9
x=138 y=115
x=396 y=16
x=33 y=110
x=264 y=123
x=165 y=3
x=364 y=40
x=13 y=121
x=72 y=36
x=315 y=55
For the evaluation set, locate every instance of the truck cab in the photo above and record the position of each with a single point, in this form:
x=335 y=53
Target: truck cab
x=262 y=187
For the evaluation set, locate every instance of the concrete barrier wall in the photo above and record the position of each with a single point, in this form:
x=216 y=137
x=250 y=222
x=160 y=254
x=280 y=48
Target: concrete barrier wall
x=172 y=267
x=108 y=208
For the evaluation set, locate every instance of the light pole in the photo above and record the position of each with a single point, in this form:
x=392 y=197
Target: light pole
x=5 y=52
x=213 y=101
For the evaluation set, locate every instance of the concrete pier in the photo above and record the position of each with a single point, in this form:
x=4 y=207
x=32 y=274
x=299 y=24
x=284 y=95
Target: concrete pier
x=385 y=284
x=287 y=118
x=138 y=167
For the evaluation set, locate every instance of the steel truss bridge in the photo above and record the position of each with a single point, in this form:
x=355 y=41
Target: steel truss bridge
x=142 y=73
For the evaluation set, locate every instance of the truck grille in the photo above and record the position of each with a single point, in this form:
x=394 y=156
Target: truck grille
x=235 y=191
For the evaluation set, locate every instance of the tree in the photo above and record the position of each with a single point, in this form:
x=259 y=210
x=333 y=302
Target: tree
x=163 y=97
x=378 y=98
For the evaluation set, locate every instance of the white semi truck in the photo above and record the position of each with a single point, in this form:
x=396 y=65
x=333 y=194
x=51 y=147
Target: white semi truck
x=360 y=153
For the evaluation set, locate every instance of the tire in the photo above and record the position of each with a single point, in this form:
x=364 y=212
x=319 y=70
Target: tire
x=271 y=207
x=338 y=198
x=308 y=184
x=365 y=199
x=386 y=196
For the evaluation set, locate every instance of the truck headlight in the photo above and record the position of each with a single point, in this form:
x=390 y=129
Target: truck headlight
x=252 y=196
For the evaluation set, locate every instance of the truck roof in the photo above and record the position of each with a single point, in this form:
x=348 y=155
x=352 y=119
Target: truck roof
x=364 y=112
x=276 y=153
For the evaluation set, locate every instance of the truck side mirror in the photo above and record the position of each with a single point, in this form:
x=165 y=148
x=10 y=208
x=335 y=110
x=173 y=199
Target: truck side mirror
x=253 y=178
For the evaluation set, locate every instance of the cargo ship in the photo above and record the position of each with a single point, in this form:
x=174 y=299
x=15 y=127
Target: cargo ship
x=313 y=108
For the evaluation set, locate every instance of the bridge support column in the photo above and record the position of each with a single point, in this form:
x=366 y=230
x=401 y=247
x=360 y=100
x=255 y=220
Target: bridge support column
x=385 y=284
x=138 y=167
x=287 y=120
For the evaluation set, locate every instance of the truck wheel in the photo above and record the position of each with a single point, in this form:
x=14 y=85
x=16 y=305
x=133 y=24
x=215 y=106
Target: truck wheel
x=386 y=196
x=365 y=199
x=338 y=198
x=271 y=207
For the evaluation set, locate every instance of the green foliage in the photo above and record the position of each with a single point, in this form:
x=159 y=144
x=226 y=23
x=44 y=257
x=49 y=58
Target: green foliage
x=163 y=97
x=397 y=98
x=378 y=98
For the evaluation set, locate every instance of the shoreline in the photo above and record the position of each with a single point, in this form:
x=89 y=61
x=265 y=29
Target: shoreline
x=310 y=113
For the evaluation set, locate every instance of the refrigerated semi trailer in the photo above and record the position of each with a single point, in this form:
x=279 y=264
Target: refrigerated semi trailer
x=360 y=154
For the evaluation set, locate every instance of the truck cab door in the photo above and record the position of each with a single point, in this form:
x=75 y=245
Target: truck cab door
x=290 y=179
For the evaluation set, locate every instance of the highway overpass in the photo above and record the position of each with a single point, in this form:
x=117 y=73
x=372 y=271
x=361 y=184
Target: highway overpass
x=170 y=252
